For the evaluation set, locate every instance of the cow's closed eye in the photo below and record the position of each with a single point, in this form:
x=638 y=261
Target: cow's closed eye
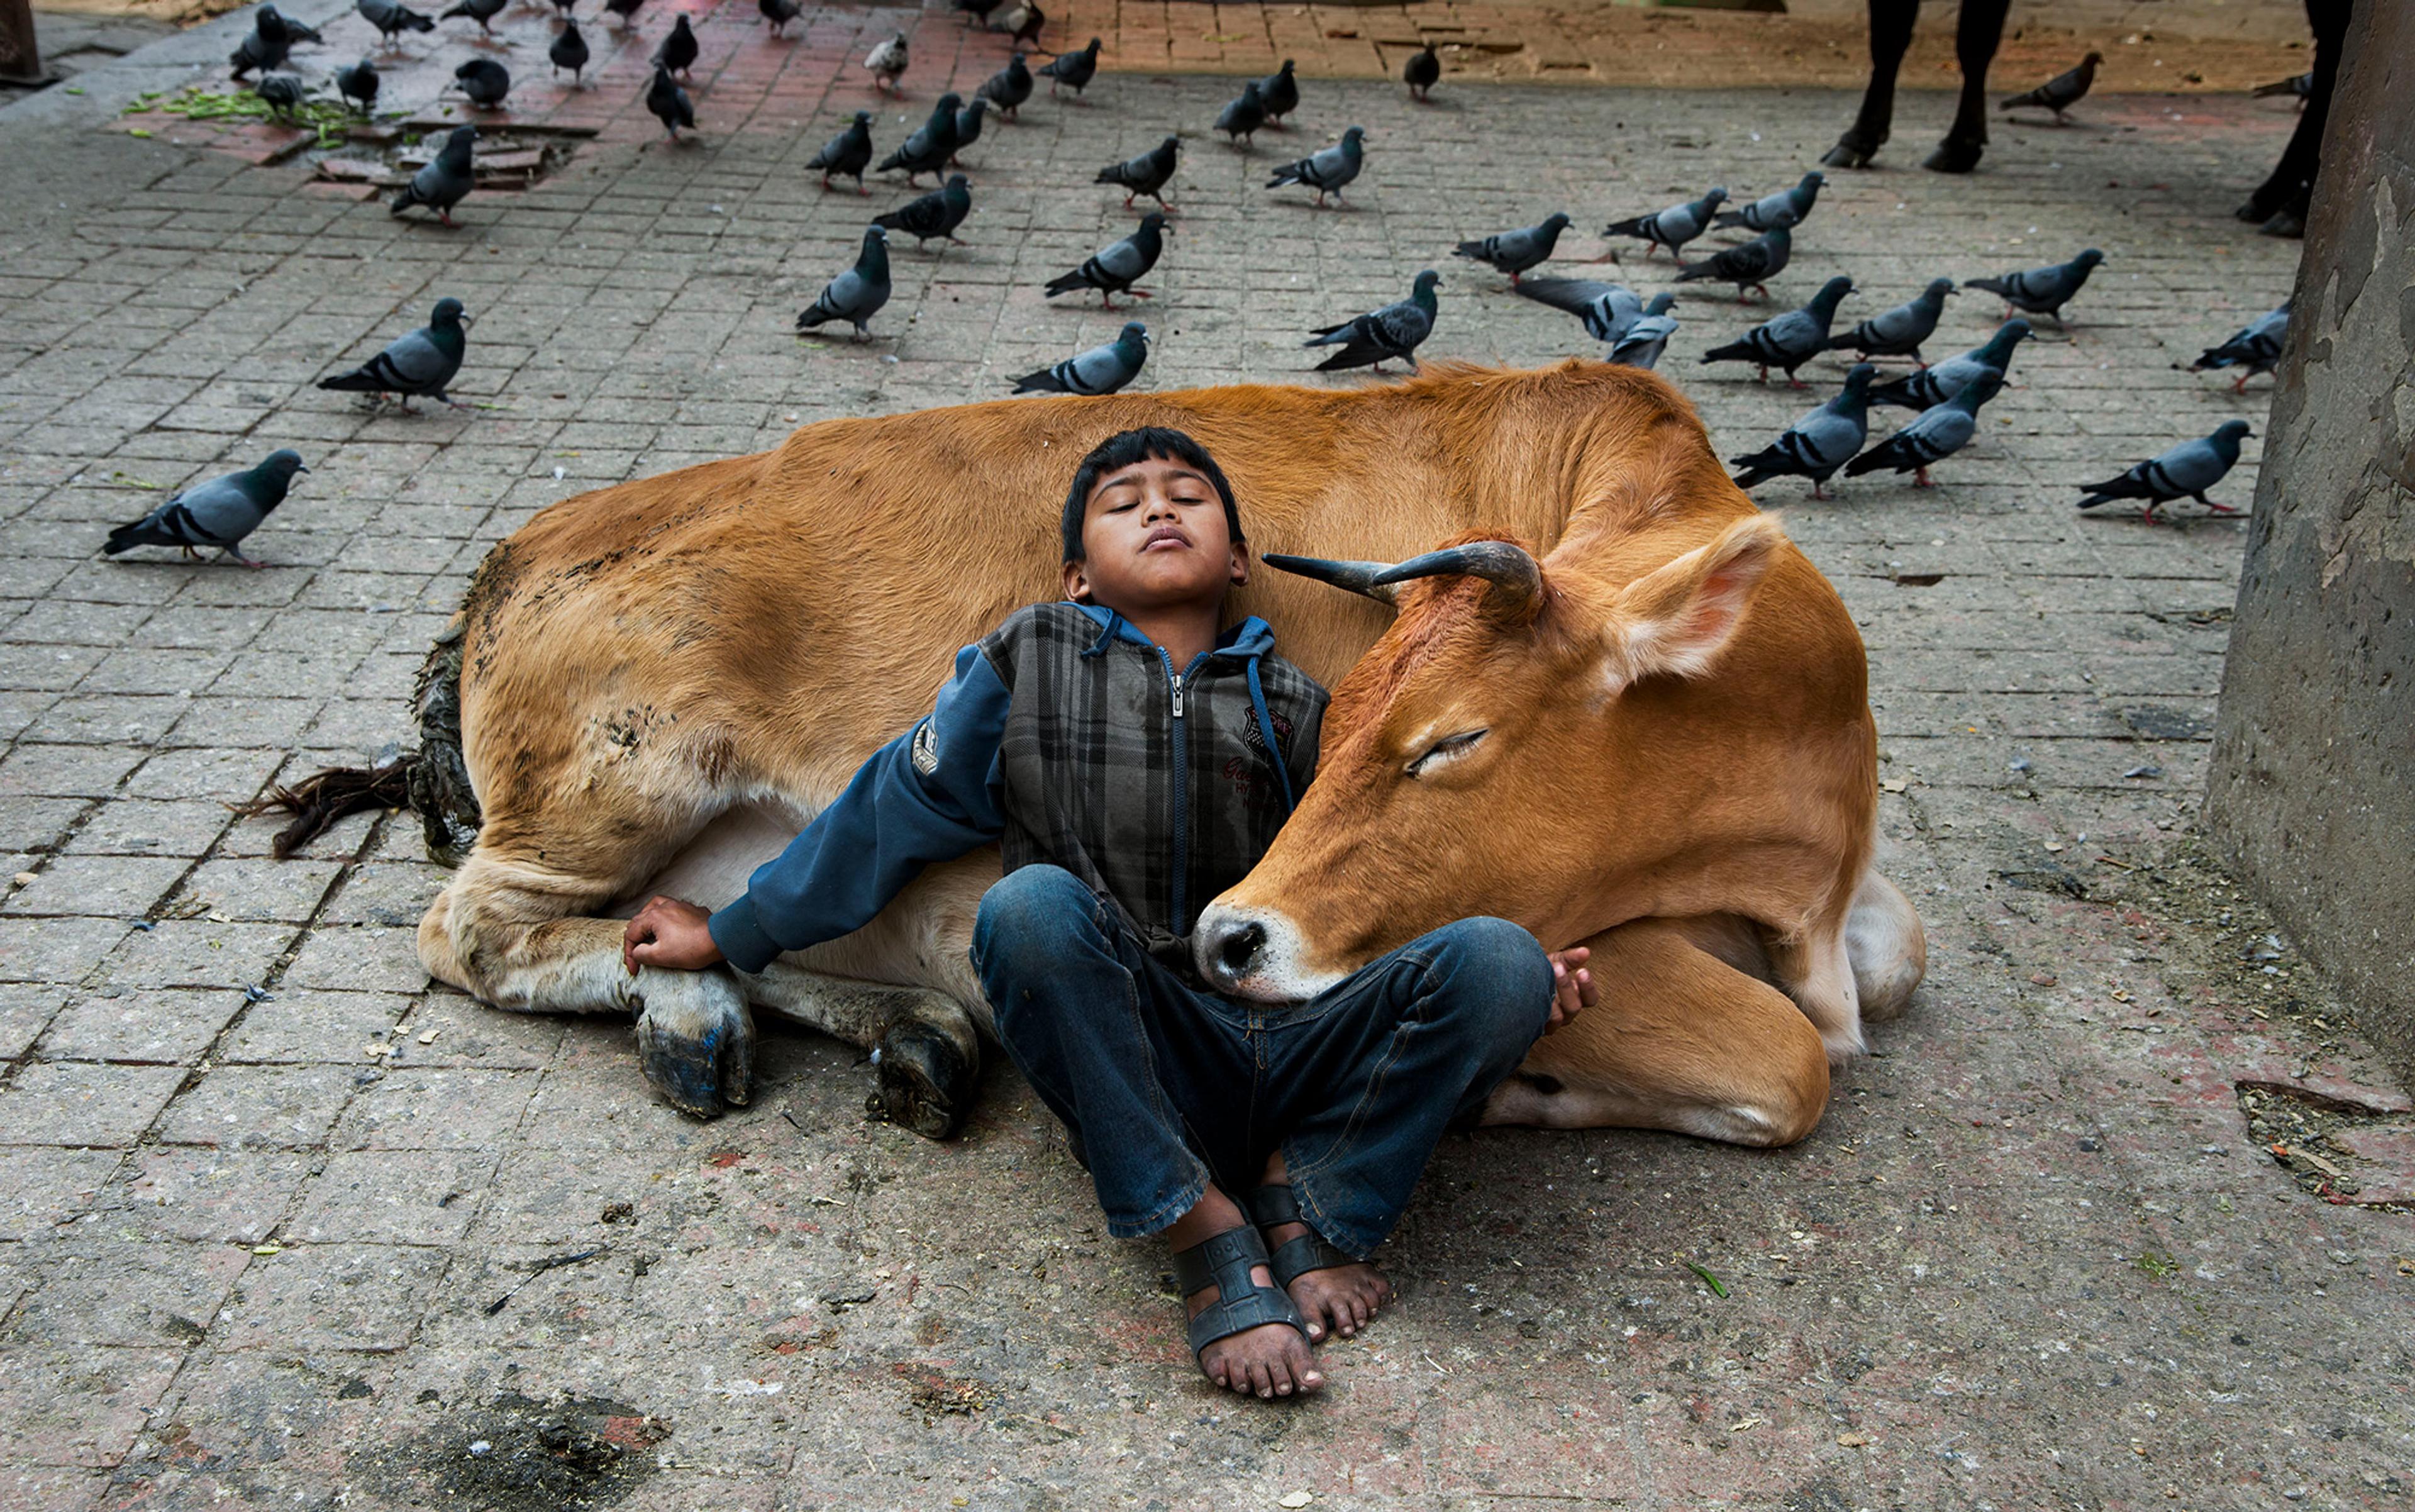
x=1443 y=752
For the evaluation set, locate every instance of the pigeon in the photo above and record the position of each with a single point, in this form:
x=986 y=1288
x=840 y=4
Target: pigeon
x=1746 y=265
x=1934 y=385
x=299 y=32
x=857 y=294
x=485 y=82
x=1241 y=118
x=1009 y=87
x=1023 y=22
x=359 y=84
x=936 y=215
x=1791 y=340
x=625 y=10
x=1099 y=371
x=1422 y=73
x=2298 y=86
x=968 y=126
x=481 y=11
x=2062 y=92
x=442 y=183
x=1075 y=70
x=392 y=18
x=1148 y=174
x=418 y=366
x=670 y=103
x=1281 y=91
x=264 y=46
x=1819 y=443
x=887 y=62
x=1113 y=269
x=283 y=93
x=1327 y=169
x=2041 y=291
x=1644 y=340
x=569 y=50
x=778 y=13
x=1787 y=207
x=978 y=10
x=218 y=513
x=1607 y=309
x=926 y=151
x=849 y=153
x=1672 y=228
x=678 y=49
x=1515 y=251
x=1898 y=331
x=1934 y=434
x=2253 y=350
x=1395 y=331
x=2191 y=467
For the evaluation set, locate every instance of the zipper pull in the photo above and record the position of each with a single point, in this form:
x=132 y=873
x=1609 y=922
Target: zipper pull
x=1178 y=695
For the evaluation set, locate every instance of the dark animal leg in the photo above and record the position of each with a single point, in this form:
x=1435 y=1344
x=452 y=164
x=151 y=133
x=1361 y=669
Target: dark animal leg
x=1890 y=39
x=1975 y=40
x=2282 y=199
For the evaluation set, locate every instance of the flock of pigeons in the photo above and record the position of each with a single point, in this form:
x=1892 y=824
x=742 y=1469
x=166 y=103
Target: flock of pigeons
x=219 y=513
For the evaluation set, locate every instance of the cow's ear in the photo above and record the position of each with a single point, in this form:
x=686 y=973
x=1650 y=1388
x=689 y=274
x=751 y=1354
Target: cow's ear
x=1676 y=620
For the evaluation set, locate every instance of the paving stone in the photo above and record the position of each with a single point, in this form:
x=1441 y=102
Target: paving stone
x=341 y=1296
x=413 y=1109
x=392 y=1197
x=80 y=1404
x=213 y=1195
x=195 y=952
x=260 y=1107
x=72 y=1103
x=41 y=1189
x=316 y=1025
x=163 y=1295
x=172 y=1028
x=110 y=887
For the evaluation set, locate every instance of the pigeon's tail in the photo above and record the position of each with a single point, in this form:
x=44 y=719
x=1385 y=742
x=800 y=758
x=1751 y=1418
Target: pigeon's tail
x=408 y=197
x=1698 y=271
x=1728 y=219
x=1993 y=286
x=2035 y=96
x=2221 y=356
x=359 y=381
x=413 y=21
x=1753 y=476
x=1632 y=226
x=433 y=779
x=1042 y=381
x=1732 y=352
x=1875 y=458
x=1471 y=249
x=126 y=537
x=1065 y=283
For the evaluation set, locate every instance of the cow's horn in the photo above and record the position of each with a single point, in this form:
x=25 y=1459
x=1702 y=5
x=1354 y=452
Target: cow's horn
x=1357 y=576
x=1505 y=565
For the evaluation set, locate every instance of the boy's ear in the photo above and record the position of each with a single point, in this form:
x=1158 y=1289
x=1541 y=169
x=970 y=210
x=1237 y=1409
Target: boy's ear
x=1240 y=564
x=1077 y=582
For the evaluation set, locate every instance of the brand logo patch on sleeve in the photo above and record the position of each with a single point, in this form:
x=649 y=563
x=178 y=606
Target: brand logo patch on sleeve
x=927 y=746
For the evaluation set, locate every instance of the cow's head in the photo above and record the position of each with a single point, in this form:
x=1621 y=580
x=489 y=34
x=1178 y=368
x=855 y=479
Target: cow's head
x=1652 y=724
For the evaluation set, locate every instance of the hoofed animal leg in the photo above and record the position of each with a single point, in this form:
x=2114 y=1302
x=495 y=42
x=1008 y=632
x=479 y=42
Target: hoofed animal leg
x=1980 y=32
x=1891 y=22
x=922 y=1041
x=1886 y=945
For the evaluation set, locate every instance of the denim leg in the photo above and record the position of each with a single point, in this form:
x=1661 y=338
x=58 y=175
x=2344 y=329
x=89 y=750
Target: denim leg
x=1073 y=997
x=1377 y=1067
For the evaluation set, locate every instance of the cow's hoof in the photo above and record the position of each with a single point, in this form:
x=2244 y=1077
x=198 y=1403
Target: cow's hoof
x=926 y=1081
x=696 y=1040
x=1849 y=152
x=1956 y=155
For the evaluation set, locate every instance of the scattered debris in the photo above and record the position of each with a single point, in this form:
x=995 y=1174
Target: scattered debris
x=538 y=1268
x=1717 y=1287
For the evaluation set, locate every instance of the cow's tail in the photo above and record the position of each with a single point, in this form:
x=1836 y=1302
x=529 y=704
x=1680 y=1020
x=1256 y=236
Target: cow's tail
x=432 y=780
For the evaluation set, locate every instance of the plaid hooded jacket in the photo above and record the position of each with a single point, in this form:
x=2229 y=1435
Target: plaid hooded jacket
x=1069 y=738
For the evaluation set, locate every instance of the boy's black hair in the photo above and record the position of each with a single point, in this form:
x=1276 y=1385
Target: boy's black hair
x=1121 y=450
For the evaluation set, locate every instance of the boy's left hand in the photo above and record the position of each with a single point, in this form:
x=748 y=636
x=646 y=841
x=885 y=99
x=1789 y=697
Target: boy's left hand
x=1573 y=989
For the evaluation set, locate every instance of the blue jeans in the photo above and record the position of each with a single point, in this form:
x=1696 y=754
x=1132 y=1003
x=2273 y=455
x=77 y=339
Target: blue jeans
x=1164 y=1086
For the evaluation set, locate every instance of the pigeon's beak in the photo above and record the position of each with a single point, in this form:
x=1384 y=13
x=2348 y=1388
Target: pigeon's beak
x=466 y=318
x=299 y=468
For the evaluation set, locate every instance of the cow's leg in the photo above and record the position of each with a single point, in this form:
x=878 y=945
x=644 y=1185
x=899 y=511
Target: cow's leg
x=922 y=1041
x=1886 y=945
x=1682 y=1039
x=1891 y=23
x=1818 y=973
x=1976 y=37
x=2283 y=199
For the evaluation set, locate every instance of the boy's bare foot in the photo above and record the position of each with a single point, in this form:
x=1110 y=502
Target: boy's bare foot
x=1270 y=1360
x=1340 y=1299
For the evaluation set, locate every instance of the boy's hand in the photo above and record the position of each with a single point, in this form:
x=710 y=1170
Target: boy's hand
x=669 y=933
x=1573 y=989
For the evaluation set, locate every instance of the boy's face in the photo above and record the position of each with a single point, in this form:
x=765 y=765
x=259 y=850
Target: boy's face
x=1154 y=538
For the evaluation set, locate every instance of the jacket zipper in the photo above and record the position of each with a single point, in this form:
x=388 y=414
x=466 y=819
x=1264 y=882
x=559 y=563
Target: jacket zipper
x=1182 y=791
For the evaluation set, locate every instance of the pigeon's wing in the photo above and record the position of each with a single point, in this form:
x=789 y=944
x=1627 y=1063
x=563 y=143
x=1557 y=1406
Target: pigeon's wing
x=1794 y=332
x=1826 y=439
x=1121 y=260
x=2192 y=467
x=846 y=294
x=1940 y=431
x=1400 y=325
x=416 y=363
x=1099 y=371
x=1327 y=164
x=1574 y=295
x=216 y=513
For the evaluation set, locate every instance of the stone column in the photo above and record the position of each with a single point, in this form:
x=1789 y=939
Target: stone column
x=2312 y=793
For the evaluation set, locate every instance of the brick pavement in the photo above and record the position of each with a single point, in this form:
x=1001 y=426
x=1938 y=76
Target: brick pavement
x=259 y=1185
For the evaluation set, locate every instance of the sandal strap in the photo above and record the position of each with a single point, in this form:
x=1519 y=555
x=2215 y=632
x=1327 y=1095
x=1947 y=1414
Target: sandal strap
x=1272 y=1205
x=1269 y=1206
x=1224 y=1260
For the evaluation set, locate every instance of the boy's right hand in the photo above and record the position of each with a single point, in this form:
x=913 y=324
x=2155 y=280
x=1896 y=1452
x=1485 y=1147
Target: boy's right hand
x=669 y=933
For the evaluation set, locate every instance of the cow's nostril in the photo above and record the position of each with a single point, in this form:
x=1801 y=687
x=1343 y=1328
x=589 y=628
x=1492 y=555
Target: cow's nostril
x=1238 y=948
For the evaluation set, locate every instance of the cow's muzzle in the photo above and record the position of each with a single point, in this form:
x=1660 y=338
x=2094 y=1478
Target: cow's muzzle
x=1248 y=952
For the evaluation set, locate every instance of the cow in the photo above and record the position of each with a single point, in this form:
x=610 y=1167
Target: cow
x=652 y=687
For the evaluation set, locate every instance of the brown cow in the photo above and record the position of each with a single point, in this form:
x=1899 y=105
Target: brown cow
x=653 y=686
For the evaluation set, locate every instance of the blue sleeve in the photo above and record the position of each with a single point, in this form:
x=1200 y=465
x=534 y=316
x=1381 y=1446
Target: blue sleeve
x=930 y=795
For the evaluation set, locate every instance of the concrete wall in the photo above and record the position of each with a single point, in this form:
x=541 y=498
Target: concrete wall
x=2313 y=786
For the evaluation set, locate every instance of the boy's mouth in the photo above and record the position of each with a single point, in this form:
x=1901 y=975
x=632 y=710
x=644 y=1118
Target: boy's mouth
x=1165 y=537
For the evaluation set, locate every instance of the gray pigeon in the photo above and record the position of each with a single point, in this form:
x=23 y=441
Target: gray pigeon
x=1117 y=267
x=926 y=151
x=978 y=10
x=1746 y=265
x=778 y=13
x=481 y=11
x=1672 y=228
x=1648 y=338
x=444 y=180
x=359 y=84
x=1818 y=444
x=849 y=153
x=283 y=93
x=1932 y=386
x=1787 y=207
x=264 y=46
x=300 y=32
x=857 y=294
x=1024 y=21
x=670 y=103
x=1075 y=70
x=1099 y=371
x=678 y=49
x=968 y=126
x=1008 y=88
x=887 y=61
x=1281 y=91
x=1607 y=309
x=570 y=50
x=218 y=513
x=1148 y=174
x=393 y=19
x=1242 y=117
x=1371 y=339
x=2191 y=467
x=1327 y=169
x=485 y=82
x=1898 y=331
x=1791 y=340
x=418 y=366
x=2062 y=92
x=1934 y=434
x=1423 y=72
x=2041 y=291
x=1515 y=251
x=935 y=215
x=2253 y=350
x=2297 y=86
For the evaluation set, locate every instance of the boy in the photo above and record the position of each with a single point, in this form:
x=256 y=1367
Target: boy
x=1133 y=763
